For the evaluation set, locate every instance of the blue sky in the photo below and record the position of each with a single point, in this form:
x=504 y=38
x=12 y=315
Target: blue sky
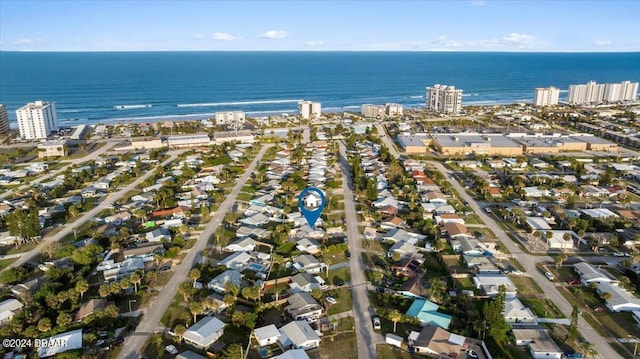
x=474 y=25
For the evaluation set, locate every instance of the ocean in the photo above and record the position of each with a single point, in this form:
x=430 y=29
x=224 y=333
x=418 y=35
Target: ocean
x=106 y=87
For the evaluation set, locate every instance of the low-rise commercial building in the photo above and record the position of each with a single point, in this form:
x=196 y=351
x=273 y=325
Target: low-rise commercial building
x=188 y=141
x=476 y=143
x=54 y=148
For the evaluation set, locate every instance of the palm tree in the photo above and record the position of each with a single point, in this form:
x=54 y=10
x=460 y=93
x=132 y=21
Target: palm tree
x=135 y=279
x=195 y=275
x=560 y=259
x=82 y=287
x=548 y=235
x=394 y=316
x=179 y=331
x=196 y=309
x=536 y=236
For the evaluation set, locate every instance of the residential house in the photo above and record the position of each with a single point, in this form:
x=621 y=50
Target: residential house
x=427 y=312
x=158 y=235
x=590 y=274
x=123 y=269
x=144 y=251
x=412 y=287
x=8 y=308
x=245 y=244
x=299 y=335
x=393 y=222
x=229 y=276
x=89 y=307
x=118 y=219
x=407 y=267
x=308 y=263
x=308 y=245
x=516 y=313
x=292 y=354
x=305 y=282
x=490 y=284
x=558 y=241
x=445 y=218
x=188 y=354
x=435 y=341
x=237 y=261
x=455 y=230
x=480 y=264
x=398 y=235
x=541 y=345
x=267 y=335
x=303 y=306
x=403 y=249
x=204 y=333
x=621 y=300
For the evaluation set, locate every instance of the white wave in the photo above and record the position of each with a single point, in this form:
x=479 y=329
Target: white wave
x=68 y=111
x=131 y=107
x=564 y=91
x=270 y=112
x=416 y=96
x=237 y=103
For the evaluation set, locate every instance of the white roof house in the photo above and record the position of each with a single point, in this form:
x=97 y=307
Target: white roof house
x=590 y=274
x=490 y=284
x=8 y=308
x=299 y=335
x=541 y=345
x=60 y=343
x=267 y=335
x=557 y=241
x=217 y=284
x=516 y=313
x=599 y=213
x=204 y=333
x=293 y=354
x=621 y=300
x=305 y=282
x=237 y=261
x=241 y=245
x=538 y=223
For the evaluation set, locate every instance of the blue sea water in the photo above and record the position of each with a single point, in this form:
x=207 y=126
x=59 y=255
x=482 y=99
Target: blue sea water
x=88 y=87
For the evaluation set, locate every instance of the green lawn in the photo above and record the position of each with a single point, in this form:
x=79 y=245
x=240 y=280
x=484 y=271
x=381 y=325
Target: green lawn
x=542 y=307
x=345 y=303
x=343 y=274
x=526 y=285
x=340 y=344
x=385 y=351
x=6 y=262
x=246 y=197
x=334 y=258
x=464 y=283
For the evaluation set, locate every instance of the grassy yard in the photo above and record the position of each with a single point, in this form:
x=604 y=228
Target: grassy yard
x=172 y=316
x=464 y=283
x=542 y=307
x=337 y=275
x=246 y=197
x=341 y=344
x=345 y=303
x=526 y=285
x=23 y=249
x=6 y=262
x=334 y=258
x=385 y=351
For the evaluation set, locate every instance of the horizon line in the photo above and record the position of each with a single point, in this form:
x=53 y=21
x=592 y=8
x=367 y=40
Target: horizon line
x=327 y=51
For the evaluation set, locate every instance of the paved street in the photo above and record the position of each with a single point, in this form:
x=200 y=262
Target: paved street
x=366 y=338
x=526 y=260
x=134 y=344
x=87 y=216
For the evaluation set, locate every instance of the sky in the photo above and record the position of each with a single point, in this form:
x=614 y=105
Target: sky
x=330 y=25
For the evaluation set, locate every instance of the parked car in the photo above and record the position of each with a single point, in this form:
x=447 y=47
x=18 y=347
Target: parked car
x=618 y=254
x=347 y=254
x=117 y=341
x=549 y=276
x=339 y=283
x=376 y=323
x=574 y=282
x=599 y=309
x=331 y=300
x=171 y=349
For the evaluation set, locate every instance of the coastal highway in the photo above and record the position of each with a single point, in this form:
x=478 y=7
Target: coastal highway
x=526 y=260
x=91 y=156
x=366 y=338
x=134 y=344
x=93 y=213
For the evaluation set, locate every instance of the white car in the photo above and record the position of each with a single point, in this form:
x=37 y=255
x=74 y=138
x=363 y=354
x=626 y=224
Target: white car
x=331 y=300
x=549 y=276
x=171 y=349
x=376 y=323
x=618 y=254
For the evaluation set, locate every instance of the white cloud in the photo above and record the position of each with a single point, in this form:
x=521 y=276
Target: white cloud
x=223 y=36
x=603 y=43
x=478 y=3
x=315 y=43
x=27 y=42
x=197 y=37
x=521 y=41
x=275 y=34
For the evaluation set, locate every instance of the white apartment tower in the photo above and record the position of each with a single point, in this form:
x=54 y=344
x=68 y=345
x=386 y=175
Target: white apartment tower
x=4 y=120
x=36 y=120
x=309 y=109
x=230 y=117
x=369 y=110
x=393 y=109
x=444 y=99
x=593 y=93
x=547 y=96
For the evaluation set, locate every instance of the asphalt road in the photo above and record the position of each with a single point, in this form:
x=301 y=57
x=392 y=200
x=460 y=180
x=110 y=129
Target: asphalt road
x=93 y=213
x=134 y=344
x=91 y=156
x=366 y=338
x=526 y=260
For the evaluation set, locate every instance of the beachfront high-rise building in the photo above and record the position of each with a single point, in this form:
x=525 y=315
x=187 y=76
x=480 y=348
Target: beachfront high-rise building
x=393 y=109
x=4 y=120
x=547 y=96
x=230 y=117
x=36 y=120
x=309 y=109
x=444 y=99
x=593 y=93
x=378 y=111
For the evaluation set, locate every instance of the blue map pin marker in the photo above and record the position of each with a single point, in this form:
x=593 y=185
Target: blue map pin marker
x=311 y=203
